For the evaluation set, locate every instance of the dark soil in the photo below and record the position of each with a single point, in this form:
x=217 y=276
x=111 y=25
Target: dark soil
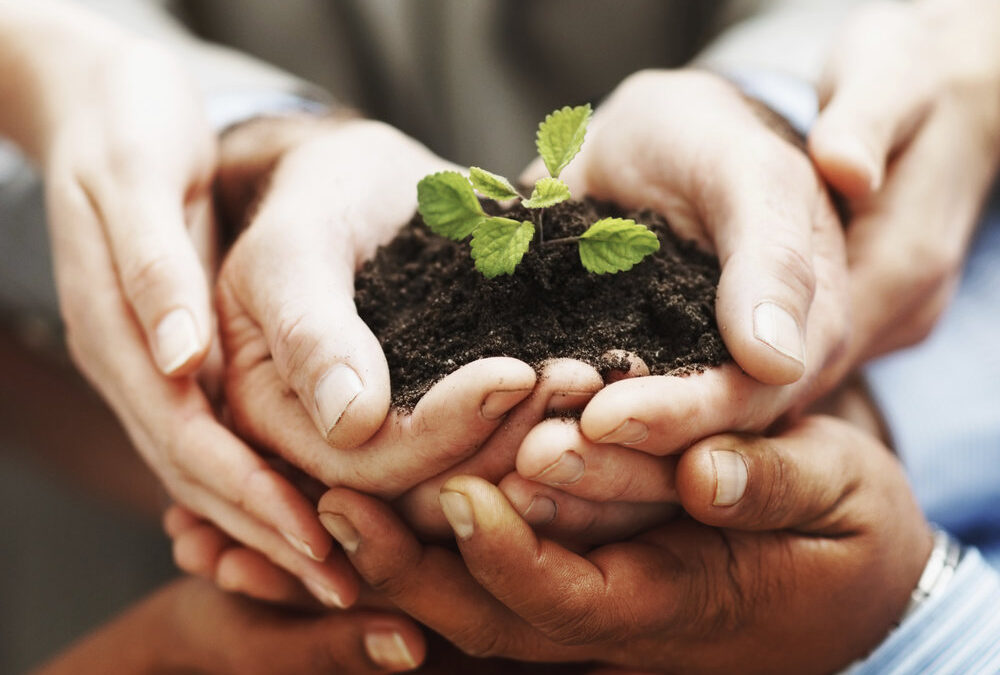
x=433 y=312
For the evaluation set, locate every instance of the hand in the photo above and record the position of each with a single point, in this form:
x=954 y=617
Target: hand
x=189 y=626
x=690 y=146
x=794 y=539
x=909 y=132
x=128 y=159
x=203 y=549
x=334 y=191
x=116 y=118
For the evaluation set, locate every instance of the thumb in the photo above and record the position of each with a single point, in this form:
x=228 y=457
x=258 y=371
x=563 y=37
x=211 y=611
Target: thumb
x=802 y=479
x=876 y=94
x=300 y=294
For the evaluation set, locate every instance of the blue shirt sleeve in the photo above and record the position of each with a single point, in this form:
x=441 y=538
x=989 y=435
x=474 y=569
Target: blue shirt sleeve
x=957 y=631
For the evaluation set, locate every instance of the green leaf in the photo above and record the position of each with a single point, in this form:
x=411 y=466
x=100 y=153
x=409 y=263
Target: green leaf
x=560 y=136
x=615 y=245
x=499 y=244
x=548 y=191
x=449 y=205
x=491 y=185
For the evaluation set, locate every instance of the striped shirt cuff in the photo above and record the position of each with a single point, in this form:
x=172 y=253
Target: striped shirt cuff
x=957 y=631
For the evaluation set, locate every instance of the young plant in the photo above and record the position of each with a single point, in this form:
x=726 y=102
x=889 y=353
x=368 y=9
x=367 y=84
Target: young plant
x=448 y=204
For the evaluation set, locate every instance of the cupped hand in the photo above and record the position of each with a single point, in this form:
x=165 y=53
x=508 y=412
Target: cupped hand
x=690 y=146
x=305 y=377
x=128 y=158
x=909 y=132
x=443 y=448
x=800 y=555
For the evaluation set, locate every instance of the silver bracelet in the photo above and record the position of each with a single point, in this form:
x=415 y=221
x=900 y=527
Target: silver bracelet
x=940 y=568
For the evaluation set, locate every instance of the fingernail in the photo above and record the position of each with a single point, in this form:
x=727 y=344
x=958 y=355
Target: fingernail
x=775 y=327
x=388 y=649
x=458 y=511
x=324 y=593
x=342 y=531
x=176 y=340
x=630 y=431
x=855 y=152
x=541 y=511
x=566 y=470
x=334 y=392
x=499 y=403
x=301 y=546
x=730 y=477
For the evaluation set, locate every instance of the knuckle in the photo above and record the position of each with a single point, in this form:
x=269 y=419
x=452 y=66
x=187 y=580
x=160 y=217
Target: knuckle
x=294 y=340
x=583 y=627
x=390 y=576
x=144 y=276
x=481 y=640
x=621 y=485
x=793 y=270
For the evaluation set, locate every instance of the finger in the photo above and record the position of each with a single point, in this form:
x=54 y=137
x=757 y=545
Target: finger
x=569 y=598
x=199 y=455
x=571 y=520
x=346 y=642
x=804 y=479
x=557 y=454
x=430 y=584
x=332 y=582
x=906 y=245
x=197 y=549
x=448 y=424
x=214 y=458
x=563 y=384
x=664 y=414
x=320 y=346
x=878 y=91
x=243 y=570
x=762 y=215
x=177 y=519
x=160 y=272
x=618 y=364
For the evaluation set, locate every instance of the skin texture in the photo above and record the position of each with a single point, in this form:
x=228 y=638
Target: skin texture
x=727 y=179
x=805 y=572
x=190 y=626
x=284 y=326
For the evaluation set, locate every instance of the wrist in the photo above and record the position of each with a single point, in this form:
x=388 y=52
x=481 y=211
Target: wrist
x=142 y=640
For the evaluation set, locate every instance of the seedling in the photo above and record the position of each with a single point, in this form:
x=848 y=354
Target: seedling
x=449 y=205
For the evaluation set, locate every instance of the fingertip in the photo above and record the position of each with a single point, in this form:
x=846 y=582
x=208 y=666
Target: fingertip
x=610 y=416
x=197 y=550
x=538 y=510
x=761 y=309
x=844 y=160
x=490 y=387
x=544 y=445
x=352 y=406
x=177 y=519
x=179 y=344
x=395 y=646
x=569 y=383
x=471 y=504
x=710 y=475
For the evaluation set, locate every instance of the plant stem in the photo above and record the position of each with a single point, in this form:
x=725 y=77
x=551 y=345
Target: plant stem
x=564 y=240
x=541 y=229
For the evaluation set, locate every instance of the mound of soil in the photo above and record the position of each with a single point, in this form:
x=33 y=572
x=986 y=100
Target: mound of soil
x=433 y=312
